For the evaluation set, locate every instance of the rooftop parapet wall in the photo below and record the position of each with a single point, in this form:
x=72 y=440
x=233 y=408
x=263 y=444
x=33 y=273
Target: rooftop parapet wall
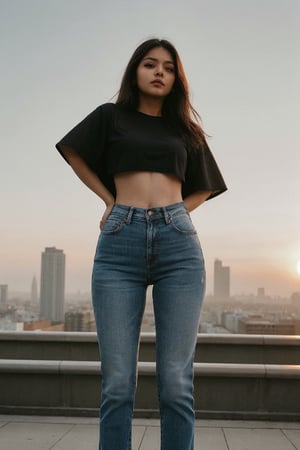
x=236 y=376
x=236 y=391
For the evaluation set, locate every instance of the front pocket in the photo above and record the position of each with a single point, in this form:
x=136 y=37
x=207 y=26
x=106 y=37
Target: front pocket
x=183 y=224
x=112 y=225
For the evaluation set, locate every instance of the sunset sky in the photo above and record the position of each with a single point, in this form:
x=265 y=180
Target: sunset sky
x=60 y=59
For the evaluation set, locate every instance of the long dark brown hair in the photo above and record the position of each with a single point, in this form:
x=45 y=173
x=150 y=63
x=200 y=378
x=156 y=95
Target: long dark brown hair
x=177 y=108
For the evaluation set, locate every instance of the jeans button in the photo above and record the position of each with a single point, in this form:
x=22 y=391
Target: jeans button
x=150 y=212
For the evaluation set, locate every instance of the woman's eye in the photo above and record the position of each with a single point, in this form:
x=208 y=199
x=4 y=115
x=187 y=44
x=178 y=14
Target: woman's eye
x=170 y=69
x=148 y=65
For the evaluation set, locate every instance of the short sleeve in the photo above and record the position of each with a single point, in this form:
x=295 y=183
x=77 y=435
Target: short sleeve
x=203 y=173
x=89 y=140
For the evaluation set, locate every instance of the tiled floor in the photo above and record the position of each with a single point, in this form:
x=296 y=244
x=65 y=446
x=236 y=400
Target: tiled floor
x=76 y=433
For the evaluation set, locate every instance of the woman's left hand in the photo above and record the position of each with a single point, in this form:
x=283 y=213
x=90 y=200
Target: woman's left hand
x=105 y=215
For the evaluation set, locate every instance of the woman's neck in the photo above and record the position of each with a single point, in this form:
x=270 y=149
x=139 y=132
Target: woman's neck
x=151 y=106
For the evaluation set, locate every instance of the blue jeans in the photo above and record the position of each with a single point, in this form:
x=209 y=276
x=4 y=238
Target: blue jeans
x=138 y=247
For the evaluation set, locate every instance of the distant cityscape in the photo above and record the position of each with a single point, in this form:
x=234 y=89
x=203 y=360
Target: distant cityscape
x=53 y=310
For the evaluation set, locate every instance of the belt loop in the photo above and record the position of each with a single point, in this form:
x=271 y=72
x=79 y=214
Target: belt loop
x=129 y=215
x=167 y=216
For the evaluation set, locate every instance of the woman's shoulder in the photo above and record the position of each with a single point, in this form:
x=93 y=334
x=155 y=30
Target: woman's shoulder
x=106 y=108
x=103 y=113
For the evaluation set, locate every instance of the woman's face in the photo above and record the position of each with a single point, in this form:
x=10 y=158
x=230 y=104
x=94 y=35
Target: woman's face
x=155 y=74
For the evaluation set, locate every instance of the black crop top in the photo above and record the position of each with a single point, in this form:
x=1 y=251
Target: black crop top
x=111 y=140
x=142 y=142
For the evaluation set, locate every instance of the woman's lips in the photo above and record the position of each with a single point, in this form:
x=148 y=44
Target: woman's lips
x=158 y=82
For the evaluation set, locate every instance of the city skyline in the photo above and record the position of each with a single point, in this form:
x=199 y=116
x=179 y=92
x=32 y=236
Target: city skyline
x=220 y=285
x=242 y=63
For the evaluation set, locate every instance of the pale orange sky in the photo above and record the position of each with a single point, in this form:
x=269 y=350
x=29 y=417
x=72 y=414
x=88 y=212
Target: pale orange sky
x=61 y=59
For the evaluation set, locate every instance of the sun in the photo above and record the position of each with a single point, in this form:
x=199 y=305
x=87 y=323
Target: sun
x=298 y=266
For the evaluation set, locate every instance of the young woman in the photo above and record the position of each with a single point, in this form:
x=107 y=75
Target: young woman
x=147 y=159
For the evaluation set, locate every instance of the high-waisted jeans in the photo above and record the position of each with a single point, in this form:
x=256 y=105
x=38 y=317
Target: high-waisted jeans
x=138 y=247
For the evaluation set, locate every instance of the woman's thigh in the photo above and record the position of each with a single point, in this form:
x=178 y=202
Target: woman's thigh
x=118 y=292
x=178 y=293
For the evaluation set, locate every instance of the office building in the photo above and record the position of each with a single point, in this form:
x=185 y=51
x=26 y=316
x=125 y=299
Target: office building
x=80 y=321
x=261 y=326
x=261 y=292
x=3 y=294
x=221 y=281
x=52 y=291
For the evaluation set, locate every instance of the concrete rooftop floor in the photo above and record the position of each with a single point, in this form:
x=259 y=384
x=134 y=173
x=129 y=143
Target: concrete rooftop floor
x=79 y=433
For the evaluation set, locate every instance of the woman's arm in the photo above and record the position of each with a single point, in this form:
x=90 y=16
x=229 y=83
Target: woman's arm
x=89 y=178
x=196 y=199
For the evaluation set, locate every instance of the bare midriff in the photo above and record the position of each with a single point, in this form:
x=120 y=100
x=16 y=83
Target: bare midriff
x=147 y=189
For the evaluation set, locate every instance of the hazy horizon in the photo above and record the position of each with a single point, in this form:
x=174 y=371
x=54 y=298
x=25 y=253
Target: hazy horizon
x=61 y=59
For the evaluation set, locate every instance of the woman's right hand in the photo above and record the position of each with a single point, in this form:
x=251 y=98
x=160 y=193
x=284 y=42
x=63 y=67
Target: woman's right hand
x=106 y=214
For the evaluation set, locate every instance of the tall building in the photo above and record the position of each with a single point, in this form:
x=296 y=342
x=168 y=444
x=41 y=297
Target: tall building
x=34 y=293
x=248 y=325
x=3 y=294
x=221 y=280
x=261 y=292
x=52 y=292
x=80 y=320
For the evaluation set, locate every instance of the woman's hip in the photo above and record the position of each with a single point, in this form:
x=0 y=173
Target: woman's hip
x=132 y=240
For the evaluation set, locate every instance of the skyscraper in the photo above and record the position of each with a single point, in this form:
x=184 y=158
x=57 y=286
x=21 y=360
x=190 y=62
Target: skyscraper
x=221 y=280
x=52 y=284
x=34 y=294
x=3 y=294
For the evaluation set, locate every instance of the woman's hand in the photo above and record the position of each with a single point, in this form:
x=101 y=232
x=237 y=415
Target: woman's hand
x=196 y=199
x=106 y=214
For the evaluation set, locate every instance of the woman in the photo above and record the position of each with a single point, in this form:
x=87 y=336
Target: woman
x=149 y=162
